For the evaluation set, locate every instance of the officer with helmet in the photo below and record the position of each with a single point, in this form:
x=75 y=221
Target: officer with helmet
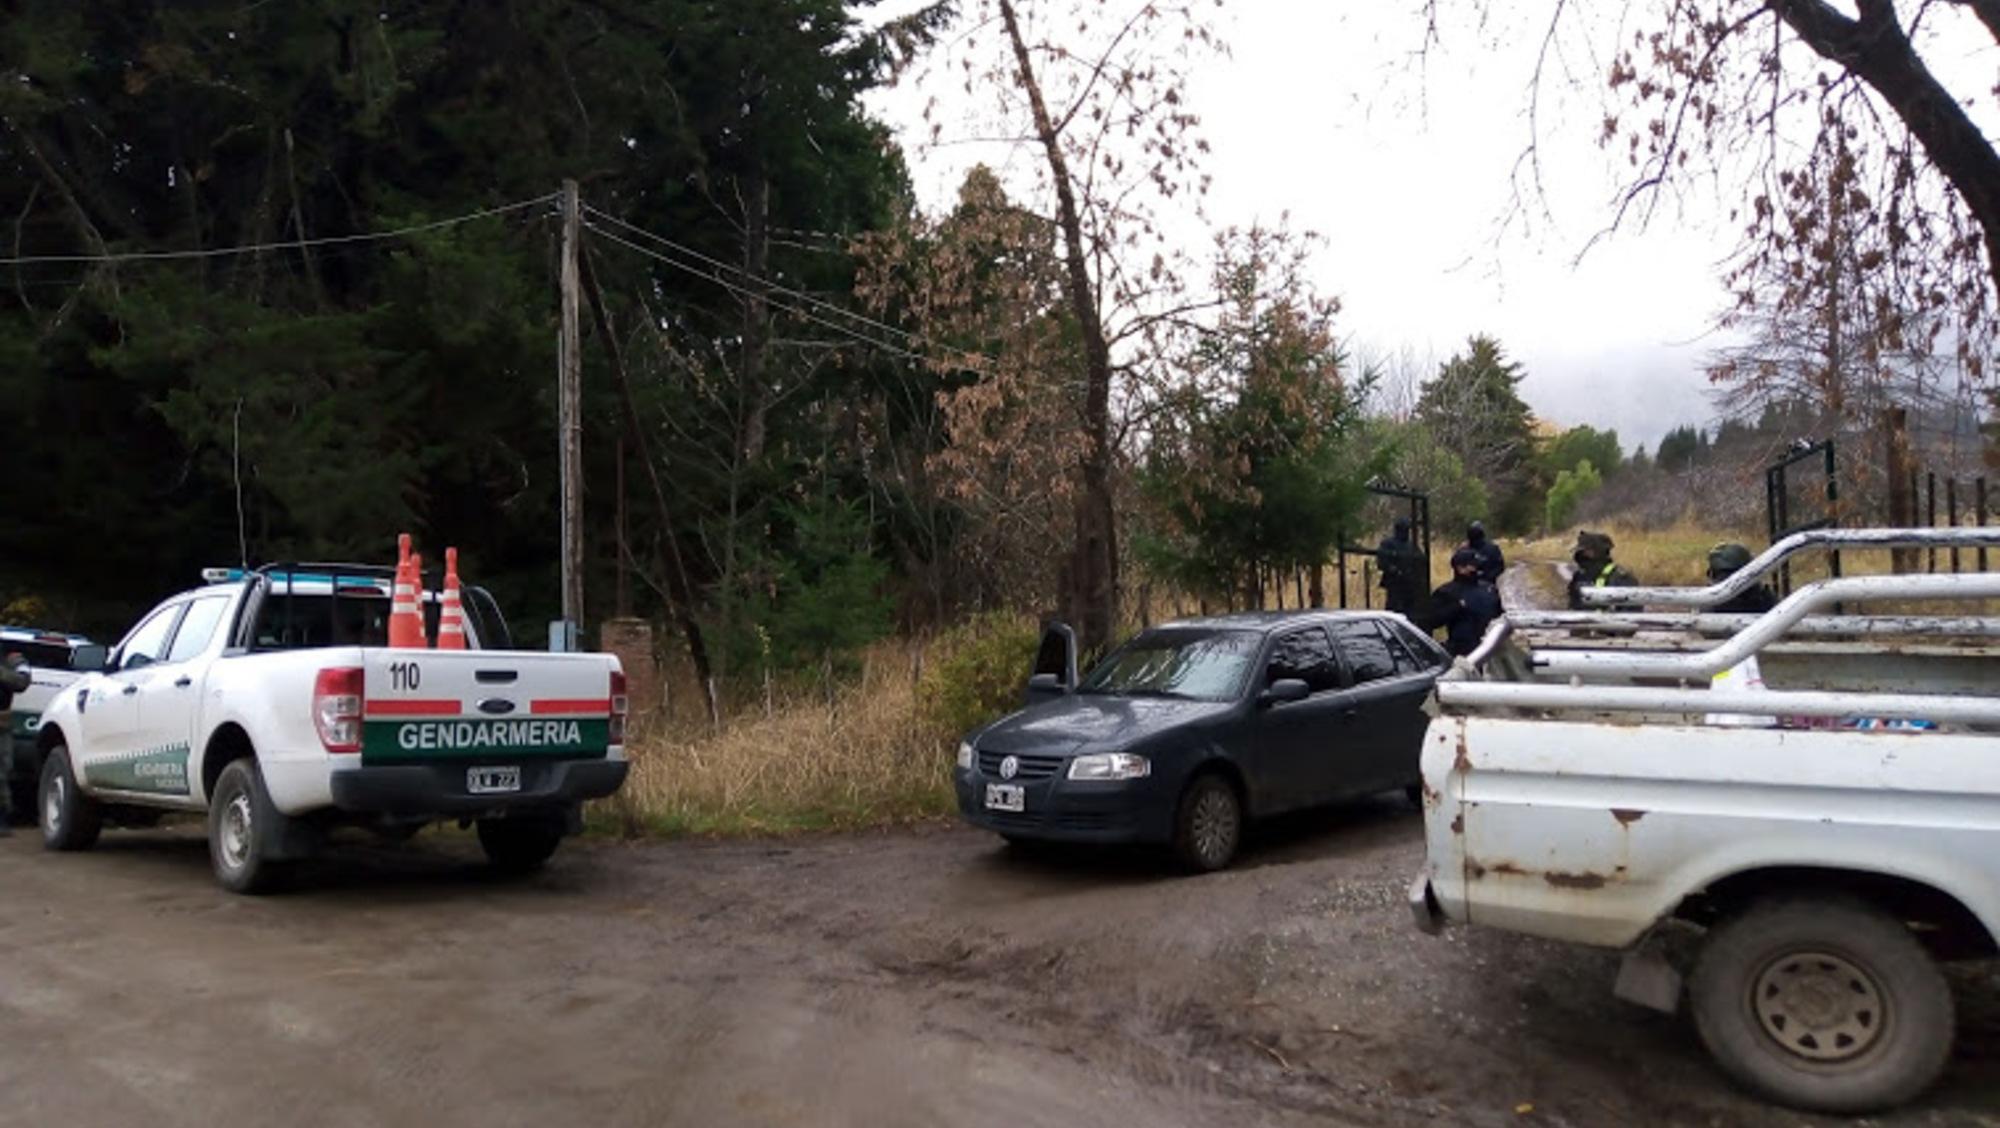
x=1727 y=559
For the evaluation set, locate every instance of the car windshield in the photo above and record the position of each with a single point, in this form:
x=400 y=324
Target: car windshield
x=1197 y=665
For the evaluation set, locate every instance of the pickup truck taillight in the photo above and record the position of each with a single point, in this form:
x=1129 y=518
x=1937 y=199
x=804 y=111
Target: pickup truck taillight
x=620 y=705
x=338 y=695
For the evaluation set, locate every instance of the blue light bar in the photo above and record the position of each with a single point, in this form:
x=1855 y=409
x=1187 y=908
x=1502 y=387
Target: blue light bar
x=233 y=575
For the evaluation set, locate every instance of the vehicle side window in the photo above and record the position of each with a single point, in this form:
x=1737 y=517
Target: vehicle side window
x=1399 y=651
x=1421 y=658
x=148 y=642
x=1306 y=655
x=38 y=655
x=1366 y=651
x=197 y=628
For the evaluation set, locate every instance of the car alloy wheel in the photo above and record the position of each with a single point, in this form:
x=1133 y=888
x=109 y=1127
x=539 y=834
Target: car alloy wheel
x=1214 y=825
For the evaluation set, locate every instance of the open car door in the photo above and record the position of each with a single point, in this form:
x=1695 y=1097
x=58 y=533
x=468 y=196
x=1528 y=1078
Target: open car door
x=1054 y=672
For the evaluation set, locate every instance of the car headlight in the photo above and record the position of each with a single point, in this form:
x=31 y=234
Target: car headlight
x=964 y=756
x=1110 y=765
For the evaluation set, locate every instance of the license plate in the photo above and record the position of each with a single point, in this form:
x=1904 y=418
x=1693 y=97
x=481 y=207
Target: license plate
x=492 y=781
x=1005 y=797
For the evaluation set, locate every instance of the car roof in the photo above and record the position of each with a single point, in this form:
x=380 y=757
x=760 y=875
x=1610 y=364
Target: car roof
x=1266 y=621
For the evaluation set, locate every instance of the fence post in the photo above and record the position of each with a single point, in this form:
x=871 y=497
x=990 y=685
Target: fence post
x=1930 y=510
x=1951 y=515
x=1979 y=511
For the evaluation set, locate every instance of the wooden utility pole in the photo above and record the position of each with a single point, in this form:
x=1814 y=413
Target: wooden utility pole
x=569 y=397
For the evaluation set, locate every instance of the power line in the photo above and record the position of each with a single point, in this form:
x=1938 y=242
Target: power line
x=752 y=278
x=288 y=244
x=743 y=291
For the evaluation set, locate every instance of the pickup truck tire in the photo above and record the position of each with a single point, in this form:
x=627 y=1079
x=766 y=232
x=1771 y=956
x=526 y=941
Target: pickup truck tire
x=1208 y=824
x=70 y=819
x=243 y=825
x=517 y=846
x=1825 y=1004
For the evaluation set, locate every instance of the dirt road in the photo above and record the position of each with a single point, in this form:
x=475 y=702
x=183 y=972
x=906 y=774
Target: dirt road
x=926 y=978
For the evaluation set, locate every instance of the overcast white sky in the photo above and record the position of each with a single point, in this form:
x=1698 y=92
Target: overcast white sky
x=1323 y=110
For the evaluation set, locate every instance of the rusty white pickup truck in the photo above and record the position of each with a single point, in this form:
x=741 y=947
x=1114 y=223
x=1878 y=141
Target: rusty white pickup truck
x=1826 y=837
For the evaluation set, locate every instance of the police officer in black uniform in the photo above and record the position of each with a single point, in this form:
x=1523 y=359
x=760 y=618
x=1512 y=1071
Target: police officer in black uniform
x=1399 y=562
x=1464 y=606
x=1491 y=561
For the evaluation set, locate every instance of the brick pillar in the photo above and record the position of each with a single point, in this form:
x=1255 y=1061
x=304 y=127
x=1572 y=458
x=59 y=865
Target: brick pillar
x=632 y=641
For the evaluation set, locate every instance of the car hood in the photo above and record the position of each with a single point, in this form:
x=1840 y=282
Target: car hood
x=1069 y=723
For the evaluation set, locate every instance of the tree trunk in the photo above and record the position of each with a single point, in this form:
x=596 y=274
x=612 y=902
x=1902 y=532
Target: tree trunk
x=1901 y=491
x=1092 y=597
x=1876 y=49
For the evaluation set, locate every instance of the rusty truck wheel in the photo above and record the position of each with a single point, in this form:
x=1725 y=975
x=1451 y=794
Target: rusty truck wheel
x=1824 y=1004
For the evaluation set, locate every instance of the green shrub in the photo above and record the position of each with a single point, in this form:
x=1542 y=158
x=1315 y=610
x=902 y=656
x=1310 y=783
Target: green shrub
x=977 y=671
x=1570 y=488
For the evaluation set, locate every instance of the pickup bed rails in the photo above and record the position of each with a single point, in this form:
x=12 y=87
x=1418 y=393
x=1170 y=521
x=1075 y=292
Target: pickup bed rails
x=1832 y=833
x=269 y=704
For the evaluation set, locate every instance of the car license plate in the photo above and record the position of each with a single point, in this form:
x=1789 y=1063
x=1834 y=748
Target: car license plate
x=1005 y=797
x=492 y=781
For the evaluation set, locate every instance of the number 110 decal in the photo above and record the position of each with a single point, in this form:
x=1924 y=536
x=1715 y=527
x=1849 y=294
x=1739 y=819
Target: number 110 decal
x=405 y=675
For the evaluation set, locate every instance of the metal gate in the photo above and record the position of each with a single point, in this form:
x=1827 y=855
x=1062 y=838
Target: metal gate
x=1419 y=504
x=1779 y=518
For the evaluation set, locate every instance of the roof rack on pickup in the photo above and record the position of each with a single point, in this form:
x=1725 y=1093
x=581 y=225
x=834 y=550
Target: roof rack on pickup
x=1939 y=668
x=1766 y=562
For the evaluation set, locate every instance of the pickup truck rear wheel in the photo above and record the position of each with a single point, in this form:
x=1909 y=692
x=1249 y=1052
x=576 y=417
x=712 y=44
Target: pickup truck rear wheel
x=242 y=827
x=70 y=819
x=516 y=846
x=1824 y=1004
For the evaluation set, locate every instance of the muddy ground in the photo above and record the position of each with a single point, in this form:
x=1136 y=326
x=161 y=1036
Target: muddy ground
x=926 y=978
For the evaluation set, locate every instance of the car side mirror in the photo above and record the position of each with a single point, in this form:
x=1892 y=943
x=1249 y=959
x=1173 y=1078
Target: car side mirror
x=1045 y=687
x=1283 y=690
x=135 y=662
x=88 y=659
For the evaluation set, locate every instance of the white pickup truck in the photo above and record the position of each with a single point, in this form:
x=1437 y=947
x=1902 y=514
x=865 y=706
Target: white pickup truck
x=269 y=701
x=53 y=659
x=1826 y=838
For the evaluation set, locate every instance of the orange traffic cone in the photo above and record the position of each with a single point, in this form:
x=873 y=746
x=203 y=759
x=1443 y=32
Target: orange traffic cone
x=451 y=615
x=406 y=615
x=417 y=586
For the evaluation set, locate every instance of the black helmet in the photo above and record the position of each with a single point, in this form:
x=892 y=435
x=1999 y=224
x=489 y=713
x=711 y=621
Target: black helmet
x=1475 y=532
x=1401 y=524
x=1726 y=559
x=1464 y=558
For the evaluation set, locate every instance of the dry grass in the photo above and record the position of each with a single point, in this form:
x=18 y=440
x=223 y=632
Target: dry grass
x=866 y=759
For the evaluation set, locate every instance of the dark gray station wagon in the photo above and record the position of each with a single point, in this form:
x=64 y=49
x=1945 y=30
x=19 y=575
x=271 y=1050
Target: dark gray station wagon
x=1191 y=728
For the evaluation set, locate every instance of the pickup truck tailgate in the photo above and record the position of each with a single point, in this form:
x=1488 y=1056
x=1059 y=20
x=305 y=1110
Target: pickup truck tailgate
x=426 y=706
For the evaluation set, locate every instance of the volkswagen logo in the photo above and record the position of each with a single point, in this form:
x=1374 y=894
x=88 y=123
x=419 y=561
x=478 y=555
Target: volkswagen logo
x=1010 y=767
